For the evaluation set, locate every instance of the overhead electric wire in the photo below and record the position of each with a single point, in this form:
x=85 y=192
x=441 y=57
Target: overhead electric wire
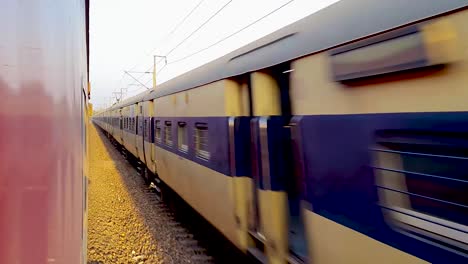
x=232 y=34
x=196 y=30
x=221 y=40
x=174 y=29
x=161 y=69
x=191 y=34
x=201 y=26
x=147 y=71
x=185 y=18
x=147 y=82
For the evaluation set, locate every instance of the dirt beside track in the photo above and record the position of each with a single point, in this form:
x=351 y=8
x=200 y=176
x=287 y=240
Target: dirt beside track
x=126 y=222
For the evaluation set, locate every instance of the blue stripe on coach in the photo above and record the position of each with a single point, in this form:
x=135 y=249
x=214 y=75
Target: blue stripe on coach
x=340 y=183
x=218 y=141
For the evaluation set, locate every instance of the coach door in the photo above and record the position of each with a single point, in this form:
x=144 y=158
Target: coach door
x=277 y=193
x=140 y=132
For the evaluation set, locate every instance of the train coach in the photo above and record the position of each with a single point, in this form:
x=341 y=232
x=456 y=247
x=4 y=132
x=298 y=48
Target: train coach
x=44 y=111
x=341 y=138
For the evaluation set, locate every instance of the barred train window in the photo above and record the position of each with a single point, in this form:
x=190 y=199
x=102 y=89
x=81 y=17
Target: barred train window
x=201 y=141
x=182 y=136
x=168 y=133
x=423 y=182
x=157 y=133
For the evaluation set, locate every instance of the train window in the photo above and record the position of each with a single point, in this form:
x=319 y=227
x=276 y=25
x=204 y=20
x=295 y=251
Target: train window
x=422 y=186
x=168 y=133
x=157 y=133
x=182 y=137
x=201 y=141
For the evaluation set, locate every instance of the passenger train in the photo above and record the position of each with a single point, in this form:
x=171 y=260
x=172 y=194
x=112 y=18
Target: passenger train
x=44 y=92
x=341 y=138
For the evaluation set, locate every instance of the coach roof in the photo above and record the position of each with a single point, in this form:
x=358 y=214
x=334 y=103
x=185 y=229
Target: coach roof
x=339 y=23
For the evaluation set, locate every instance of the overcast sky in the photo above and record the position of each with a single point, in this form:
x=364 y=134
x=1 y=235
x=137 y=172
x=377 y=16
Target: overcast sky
x=125 y=34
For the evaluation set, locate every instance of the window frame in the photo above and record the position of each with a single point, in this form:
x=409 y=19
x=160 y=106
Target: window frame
x=157 y=131
x=182 y=133
x=202 y=153
x=400 y=211
x=168 y=138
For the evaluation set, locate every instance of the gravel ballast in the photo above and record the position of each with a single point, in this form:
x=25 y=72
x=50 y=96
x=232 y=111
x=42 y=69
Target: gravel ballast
x=126 y=222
